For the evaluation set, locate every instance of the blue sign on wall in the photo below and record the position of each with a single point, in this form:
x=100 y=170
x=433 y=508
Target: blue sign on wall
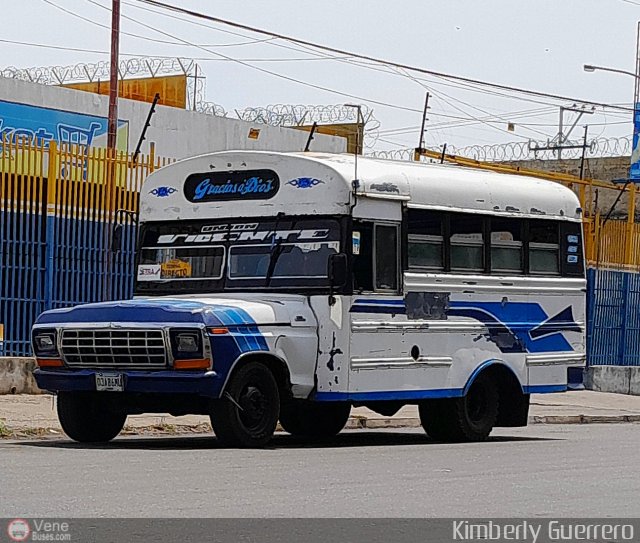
x=634 y=170
x=43 y=125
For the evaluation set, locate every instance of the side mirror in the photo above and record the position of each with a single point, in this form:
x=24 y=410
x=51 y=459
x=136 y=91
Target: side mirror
x=116 y=239
x=338 y=269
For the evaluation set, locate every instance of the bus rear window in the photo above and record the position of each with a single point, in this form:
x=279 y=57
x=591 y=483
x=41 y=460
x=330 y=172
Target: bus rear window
x=544 y=249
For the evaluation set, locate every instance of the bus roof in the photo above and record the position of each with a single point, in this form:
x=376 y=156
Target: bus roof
x=321 y=183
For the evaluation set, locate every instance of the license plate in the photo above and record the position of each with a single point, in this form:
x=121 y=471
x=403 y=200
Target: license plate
x=109 y=382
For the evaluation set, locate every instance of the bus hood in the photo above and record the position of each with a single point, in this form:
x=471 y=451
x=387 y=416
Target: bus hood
x=219 y=311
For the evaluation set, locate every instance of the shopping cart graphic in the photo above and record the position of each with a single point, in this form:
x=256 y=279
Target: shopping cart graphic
x=74 y=134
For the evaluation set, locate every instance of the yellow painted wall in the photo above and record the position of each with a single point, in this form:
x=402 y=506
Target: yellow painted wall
x=172 y=89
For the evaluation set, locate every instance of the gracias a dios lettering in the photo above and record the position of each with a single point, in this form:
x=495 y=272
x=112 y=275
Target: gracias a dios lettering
x=252 y=185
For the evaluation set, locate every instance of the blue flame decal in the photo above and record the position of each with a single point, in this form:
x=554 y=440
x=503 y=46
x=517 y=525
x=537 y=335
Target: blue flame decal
x=163 y=192
x=305 y=182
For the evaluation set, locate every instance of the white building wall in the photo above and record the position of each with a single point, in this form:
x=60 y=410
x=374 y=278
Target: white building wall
x=177 y=133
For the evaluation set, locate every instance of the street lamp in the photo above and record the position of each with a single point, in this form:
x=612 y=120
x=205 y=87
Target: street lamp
x=591 y=68
x=634 y=174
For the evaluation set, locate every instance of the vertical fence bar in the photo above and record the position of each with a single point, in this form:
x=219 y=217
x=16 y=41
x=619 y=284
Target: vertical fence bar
x=52 y=195
x=4 y=253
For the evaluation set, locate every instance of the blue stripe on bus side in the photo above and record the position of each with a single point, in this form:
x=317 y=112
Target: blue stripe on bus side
x=389 y=395
x=408 y=395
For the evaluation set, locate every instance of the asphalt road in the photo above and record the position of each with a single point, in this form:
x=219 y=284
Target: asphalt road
x=542 y=470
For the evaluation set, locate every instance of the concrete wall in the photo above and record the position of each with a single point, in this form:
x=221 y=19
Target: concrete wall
x=617 y=379
x=16 y=376
x=602 y=169
x=177 y=133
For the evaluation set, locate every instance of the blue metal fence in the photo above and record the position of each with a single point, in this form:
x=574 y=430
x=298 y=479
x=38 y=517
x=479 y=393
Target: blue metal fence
x=613 y=317
x=56 y=212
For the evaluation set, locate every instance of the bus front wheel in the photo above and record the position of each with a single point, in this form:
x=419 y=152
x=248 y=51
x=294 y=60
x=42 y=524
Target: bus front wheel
x=314 y=419
x=247 y=413
x=89 y=417
x=469 y=418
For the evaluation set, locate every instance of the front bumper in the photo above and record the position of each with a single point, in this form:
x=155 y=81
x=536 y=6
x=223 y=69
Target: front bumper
x=208 y=384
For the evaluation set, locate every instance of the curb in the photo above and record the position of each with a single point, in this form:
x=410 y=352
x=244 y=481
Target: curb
x=354 y=423
x=583 y=419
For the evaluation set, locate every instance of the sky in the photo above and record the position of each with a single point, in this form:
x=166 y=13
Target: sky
x=540 y=45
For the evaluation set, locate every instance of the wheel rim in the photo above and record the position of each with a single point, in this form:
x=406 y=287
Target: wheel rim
x=477 y=404
x=253 y=404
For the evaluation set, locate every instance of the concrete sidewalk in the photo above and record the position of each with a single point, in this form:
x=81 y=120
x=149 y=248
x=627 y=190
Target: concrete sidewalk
x=29 y=415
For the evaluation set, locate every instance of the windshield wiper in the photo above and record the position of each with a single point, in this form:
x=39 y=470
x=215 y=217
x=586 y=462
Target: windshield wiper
x=276 y=249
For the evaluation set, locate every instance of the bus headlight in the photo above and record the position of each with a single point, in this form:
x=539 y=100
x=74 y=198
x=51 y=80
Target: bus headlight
x=44 y=343
x=187 y=343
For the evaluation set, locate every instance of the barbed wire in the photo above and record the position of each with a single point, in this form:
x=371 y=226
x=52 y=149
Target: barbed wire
x=519 y=151
x=100 y=71
x=210 y=108
x=150 y=67
x=298 y=115
x=534 y=150
x=137 y=67
x=394 y=154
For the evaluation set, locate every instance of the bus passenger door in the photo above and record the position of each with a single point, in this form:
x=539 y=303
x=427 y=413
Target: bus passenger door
x=377 y=307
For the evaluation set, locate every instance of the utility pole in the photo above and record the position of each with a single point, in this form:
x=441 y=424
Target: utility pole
x=424 y=121
x=634 y=168
x=558 y=143
x=113 y=85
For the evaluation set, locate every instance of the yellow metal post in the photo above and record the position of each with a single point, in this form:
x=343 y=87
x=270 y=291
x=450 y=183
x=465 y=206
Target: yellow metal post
x=52 y=204
x=631 y=216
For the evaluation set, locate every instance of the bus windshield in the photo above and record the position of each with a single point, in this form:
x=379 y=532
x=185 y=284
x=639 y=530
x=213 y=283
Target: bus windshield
x=199 y=256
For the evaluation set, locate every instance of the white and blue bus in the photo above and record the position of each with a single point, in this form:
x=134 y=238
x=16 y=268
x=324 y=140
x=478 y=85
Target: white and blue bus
x=278 y=286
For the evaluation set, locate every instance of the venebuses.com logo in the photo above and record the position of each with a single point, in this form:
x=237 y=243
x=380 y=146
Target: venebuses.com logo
x=18 y=530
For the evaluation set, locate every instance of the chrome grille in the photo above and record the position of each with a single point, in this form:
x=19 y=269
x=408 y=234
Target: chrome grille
x=109 y=348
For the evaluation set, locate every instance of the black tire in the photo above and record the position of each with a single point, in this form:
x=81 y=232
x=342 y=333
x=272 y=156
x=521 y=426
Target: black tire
x=89 y=417
x=247 y=414
x=314 y=419
x=470 y=418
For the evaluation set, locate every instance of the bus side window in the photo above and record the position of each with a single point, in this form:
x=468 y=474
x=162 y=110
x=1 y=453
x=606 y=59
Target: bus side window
x=386 y=257
x=467 y=243
x=425 y=242
x=544 y=249
x=506 y=245
x=363 y=256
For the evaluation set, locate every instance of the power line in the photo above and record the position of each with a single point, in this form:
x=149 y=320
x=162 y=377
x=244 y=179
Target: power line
x=264 y=70
x=345 y=59
x=373 y=59
x=483 y=121
x=139 y=36
x=307 y=44
x=463 y=121
x=348 y=60
x=202 y=59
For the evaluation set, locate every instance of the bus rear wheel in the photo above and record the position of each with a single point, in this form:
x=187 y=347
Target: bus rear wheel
x=470 y=418
x=314 y=419
x=89 y=417
x=247 y=414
